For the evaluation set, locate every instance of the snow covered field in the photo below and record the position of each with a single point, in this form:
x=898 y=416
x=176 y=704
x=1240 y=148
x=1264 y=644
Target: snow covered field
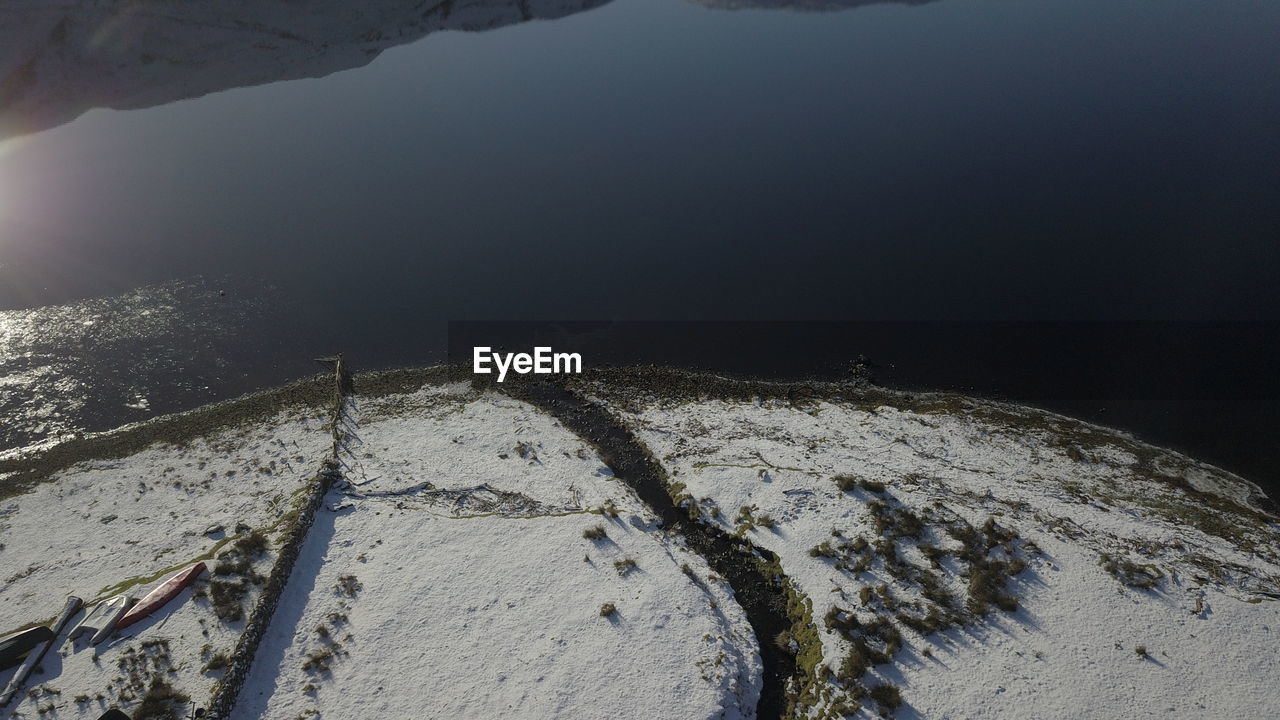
x=943 y=558
x=103 y=527
x=453 y=579
x=868 y=508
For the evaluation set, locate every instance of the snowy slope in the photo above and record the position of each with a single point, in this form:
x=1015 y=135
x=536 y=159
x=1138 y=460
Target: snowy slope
x=103 y=527
x=950 y=557
x=99 y=523
x=60 y=59
x=1199 y=643
x=454 y=580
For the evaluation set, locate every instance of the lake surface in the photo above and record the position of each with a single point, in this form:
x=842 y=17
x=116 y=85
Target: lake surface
x=196 y=201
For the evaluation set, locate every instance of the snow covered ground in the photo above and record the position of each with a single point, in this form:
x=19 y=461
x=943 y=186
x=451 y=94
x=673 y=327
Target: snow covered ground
x=454 y=579
x=66 y=57
x=868 y=507
x=102 y=527
x=950 y=557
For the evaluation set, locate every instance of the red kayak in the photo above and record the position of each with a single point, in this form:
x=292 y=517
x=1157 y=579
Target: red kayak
x=157 y=598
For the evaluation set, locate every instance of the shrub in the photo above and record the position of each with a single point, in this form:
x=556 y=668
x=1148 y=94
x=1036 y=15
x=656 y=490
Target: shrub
x=319 y=660
x=862 y=564
x=997 y=534
x=348 y=585
x=227 y=598
x=970 y=538
x=887 y=695
x=933 y=590
x=871 y=486
x=783 y=641
x=595 y=533
x=624 y=566
x=986 y=586
x=823 y=549
x=229 y=564
x=924 y=622
x=251 y=545
x=849 y=482
x=883 y=632
x=525 y=451
x=161 y=702
x=219 y=661
x=897 y=522
x=238 y=560
x=853 y=667
x=933 y=554
x=608 y=610
x=845 y=482
x=841 y=620
x=1131 y=573
x=907 y=524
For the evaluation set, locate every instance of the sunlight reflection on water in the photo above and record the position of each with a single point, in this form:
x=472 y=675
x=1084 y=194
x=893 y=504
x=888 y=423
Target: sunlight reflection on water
x=68 y=368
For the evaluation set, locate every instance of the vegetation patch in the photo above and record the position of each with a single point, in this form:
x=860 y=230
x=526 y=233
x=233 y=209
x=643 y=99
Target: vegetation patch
x=986 y=557
x=145 y=678
x=217 y=661
x=625 y=566
x=319 y=660
x=227 y=598
x=162 y=701
x=887 y=696
x=348 y=586
x=234 y=576
x=1143 y=576
x=749 y=518
x=846 y=483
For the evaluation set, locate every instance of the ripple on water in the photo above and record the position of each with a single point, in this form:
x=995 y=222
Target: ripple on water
x=99 y=363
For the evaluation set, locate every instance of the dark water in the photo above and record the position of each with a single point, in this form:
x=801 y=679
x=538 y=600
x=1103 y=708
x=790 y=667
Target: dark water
x=271 y=185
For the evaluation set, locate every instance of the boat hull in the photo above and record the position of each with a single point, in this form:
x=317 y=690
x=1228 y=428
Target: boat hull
x=14 y=647
x=37 y=653
x=159 y=597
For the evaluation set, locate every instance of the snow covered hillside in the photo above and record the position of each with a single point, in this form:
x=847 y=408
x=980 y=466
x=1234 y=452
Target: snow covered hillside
x=63 y=58
x=102 y=527
x=469 y=571
x=60 y=59
x=983 y=560
x=499 y=550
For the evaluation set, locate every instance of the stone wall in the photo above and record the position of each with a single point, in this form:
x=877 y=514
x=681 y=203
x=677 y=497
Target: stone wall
x=227 y=689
